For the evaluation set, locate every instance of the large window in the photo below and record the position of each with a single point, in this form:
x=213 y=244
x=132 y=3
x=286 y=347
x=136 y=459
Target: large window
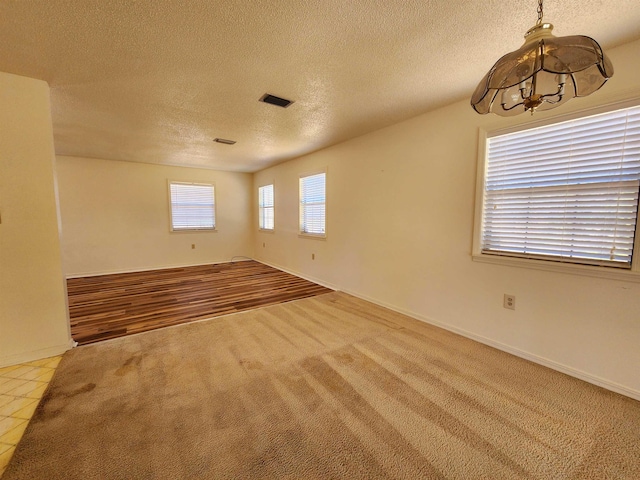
x=566 y=192
x=192 y=206
x=312 y=204
x=266 y=207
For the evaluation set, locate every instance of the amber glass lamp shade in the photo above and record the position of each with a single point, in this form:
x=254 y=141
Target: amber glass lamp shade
x=544 y=73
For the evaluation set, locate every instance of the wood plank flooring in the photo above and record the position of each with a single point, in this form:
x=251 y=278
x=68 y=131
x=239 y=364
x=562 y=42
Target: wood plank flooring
x=110 y=306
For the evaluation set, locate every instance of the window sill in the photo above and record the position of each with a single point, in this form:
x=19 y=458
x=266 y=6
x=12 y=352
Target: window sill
x=610 y=273
x=317 y=236
x=195 y=230
x=267 y=230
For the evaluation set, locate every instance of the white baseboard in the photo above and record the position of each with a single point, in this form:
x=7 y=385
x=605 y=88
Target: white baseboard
x=587 y=377
x=150 y=269
x=573 y=372
x=34 y=355
x=298 y=274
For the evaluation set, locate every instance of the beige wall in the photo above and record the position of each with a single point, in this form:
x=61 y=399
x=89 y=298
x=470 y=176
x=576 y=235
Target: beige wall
x=33 y=312
x=115 y=217
x=399 y=232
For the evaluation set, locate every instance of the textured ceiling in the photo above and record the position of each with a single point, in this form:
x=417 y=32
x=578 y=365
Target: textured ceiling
x=156 y=80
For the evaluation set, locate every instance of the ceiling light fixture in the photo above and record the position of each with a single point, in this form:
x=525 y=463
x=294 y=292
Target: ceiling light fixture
x=543 y=74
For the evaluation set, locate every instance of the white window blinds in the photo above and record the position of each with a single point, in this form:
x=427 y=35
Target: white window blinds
x=567 y=191
x=312 y=204
x=192 y=206
x=265 y=207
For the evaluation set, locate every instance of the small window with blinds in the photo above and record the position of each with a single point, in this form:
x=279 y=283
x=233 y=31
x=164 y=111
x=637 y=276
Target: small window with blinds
x=313 y=204
x=192 y=206
x=566 y=192
x=266 y=207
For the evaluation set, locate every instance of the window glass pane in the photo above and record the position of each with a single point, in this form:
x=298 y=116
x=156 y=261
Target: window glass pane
x=312 y=204
x=567 y=191
x=192 y=206
x=266 y=207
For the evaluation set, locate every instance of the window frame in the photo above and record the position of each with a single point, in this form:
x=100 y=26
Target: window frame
x=302 y=233
x=602 y=271
x=273 y=206
x=192 y=230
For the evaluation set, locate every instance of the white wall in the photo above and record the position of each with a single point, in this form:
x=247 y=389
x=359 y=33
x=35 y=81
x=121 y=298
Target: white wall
x=33 y=311
x=399 y=232
x=115 y=217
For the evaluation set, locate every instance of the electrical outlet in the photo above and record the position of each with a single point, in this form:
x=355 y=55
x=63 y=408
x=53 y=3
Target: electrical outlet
x=264 y=244
x=509 y=301
x=313 y=256
x=193 y=246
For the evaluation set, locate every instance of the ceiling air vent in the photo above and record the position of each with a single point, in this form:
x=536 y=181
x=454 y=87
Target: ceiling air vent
x=277 y=101
x=224 y=140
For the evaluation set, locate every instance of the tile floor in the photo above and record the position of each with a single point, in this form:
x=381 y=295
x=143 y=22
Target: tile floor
x=21 y=387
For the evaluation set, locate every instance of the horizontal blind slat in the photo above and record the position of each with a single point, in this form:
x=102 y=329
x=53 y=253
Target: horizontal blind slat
x=565 y=190
x=312 y=204
x=192 y=206
x=266 y=207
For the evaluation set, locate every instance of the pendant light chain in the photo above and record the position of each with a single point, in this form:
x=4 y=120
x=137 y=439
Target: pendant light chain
x=539 y=22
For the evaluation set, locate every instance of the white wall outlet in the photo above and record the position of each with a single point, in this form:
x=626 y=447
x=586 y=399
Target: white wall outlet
x=509 y=301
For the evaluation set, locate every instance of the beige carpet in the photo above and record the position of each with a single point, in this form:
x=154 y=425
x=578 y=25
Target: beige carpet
x=326 y=387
